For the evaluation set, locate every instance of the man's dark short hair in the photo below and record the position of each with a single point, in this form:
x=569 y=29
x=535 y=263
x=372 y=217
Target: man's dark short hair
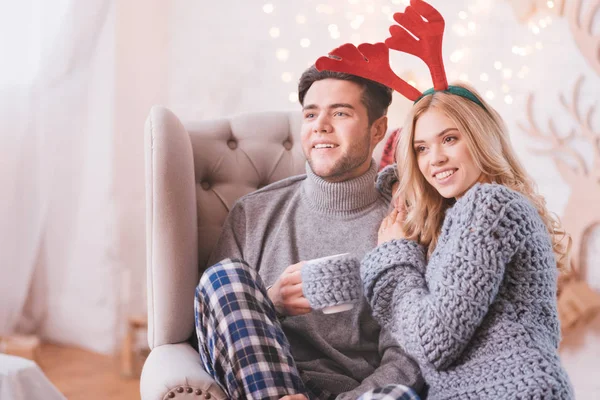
x=375 y=97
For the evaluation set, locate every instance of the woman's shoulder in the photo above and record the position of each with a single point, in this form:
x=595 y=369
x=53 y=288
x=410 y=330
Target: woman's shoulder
x=493 y=192
x=496 y=196
x=496 y=201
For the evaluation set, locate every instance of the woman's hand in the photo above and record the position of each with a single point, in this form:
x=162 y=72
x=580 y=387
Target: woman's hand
x=395 y=199
x=392 y=226
x=294 y=397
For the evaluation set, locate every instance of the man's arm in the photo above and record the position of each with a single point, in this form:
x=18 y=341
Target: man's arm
x=396 y=367
x=286 y=293
x=232 y=240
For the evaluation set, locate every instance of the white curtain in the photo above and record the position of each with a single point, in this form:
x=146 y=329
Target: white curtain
x=56 y=130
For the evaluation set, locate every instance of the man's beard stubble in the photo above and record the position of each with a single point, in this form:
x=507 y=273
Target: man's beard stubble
x=353 y=158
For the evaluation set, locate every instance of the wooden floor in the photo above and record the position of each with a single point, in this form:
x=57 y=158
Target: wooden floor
x=81 y=374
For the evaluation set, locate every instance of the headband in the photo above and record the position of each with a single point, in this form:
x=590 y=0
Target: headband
x=456 y=90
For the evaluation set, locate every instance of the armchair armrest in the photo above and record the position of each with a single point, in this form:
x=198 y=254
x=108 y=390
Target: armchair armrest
x=171 y=230
x=175 y=371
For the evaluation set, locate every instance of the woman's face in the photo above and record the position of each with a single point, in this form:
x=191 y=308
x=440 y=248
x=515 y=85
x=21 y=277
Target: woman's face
x=443 y=156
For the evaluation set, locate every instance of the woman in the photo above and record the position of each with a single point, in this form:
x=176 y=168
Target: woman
x=465 y=273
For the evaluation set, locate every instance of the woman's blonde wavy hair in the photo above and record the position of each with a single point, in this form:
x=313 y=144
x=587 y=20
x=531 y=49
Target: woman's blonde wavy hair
x=489 y=144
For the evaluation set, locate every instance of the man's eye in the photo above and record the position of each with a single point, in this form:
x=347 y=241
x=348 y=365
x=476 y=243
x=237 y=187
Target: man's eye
x=340 y=114
x=309 y=115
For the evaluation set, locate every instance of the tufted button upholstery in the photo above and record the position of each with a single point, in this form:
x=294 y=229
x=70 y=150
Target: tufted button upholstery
x=232 y=144
x=265 y=150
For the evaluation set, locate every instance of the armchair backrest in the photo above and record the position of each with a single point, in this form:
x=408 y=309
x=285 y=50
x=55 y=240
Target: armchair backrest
x=195 y=171
x=236 y=156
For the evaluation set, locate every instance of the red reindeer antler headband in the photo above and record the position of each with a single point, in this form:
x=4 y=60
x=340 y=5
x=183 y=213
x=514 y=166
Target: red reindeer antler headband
x=419 y=32
x=369 y=61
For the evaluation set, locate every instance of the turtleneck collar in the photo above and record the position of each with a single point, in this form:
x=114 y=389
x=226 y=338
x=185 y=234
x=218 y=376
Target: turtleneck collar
x=340 y=197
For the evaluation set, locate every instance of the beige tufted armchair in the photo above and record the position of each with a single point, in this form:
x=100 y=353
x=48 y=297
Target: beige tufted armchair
x=195 y=171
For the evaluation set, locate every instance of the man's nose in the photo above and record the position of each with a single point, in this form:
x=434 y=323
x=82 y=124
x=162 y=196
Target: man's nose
x=322 y=125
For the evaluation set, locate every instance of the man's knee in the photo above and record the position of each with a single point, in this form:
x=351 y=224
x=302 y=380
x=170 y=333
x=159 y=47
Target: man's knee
x=230 y=286
x=225 y=273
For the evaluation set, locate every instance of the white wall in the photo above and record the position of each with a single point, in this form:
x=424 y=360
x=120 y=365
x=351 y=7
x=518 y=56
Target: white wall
x=141 y=80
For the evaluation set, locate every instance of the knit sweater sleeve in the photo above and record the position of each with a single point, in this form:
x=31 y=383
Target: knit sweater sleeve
x=386 y=179
x=435 y=320
x=391 y=266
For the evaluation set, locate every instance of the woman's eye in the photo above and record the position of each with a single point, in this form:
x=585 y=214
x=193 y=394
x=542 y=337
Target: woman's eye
x=420 y=149
x=449 y=139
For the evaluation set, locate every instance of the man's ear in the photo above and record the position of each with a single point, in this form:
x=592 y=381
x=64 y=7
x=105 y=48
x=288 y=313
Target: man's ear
x=378 y=129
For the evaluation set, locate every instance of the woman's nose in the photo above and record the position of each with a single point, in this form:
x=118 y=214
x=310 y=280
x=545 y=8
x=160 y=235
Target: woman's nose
x=438 y=156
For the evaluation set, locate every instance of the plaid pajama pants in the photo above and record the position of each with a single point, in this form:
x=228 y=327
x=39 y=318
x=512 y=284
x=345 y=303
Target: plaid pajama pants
x=391 y=392
x=242 y=344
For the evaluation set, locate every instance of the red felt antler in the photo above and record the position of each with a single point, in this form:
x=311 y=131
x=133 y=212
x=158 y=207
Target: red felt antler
x=426 y=24
x=420 y=32
x=370 y=61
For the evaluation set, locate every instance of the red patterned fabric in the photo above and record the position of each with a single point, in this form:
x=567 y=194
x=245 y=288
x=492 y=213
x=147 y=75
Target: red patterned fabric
x=389 y=150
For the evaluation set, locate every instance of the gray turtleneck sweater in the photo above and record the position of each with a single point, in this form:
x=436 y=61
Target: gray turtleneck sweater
x=303 y=218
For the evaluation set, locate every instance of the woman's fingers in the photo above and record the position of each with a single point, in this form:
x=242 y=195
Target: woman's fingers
x=384 y=224
x=394 y=216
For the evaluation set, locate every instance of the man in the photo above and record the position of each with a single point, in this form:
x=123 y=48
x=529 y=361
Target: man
x=268 y=343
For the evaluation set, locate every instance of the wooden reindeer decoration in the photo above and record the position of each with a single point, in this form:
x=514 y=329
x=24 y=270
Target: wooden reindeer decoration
x=580 y=23
x=581 y=27
x=577 y=302
x=525 y=9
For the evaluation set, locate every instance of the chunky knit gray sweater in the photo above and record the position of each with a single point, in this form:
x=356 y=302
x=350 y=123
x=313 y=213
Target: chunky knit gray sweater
x=331 y=281
x=303 y=218
x=480 y=316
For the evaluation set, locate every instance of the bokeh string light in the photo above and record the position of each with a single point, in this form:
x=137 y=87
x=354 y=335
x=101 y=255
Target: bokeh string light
x=345 y=21
x=496 y=79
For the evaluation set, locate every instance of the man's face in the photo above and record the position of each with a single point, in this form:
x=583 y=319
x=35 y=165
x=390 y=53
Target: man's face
x=336 y=137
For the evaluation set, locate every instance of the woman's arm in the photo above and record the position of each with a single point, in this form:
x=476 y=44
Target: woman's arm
x=435 y=321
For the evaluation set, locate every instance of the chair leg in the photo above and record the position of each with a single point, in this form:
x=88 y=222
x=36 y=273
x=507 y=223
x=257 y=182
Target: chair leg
x=127 y=353
x=26 y=346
